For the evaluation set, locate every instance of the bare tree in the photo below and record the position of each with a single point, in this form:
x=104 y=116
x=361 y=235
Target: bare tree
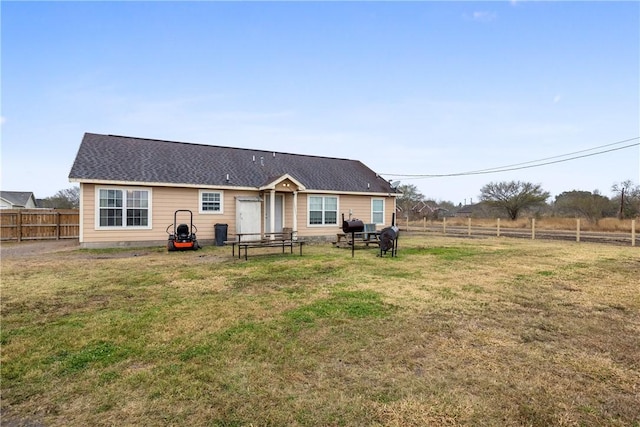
x=64 y=199
x=410 y=197
x=628 y=198
x=513 y=196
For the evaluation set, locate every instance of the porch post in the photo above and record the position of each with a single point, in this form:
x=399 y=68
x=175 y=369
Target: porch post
x=294 y=227
x=272 y=213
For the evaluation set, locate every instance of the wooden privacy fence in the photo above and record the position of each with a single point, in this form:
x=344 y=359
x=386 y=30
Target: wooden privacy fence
x=39 y=224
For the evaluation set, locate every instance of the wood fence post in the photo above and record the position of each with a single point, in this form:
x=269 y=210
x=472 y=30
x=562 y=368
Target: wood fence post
x=633 y=232
x=533 y=228
x=469 y=226
x=578 y=230
x=498 y=228
x=19 y=225
x=57 y=225
x=424 y=223
x=444 y=225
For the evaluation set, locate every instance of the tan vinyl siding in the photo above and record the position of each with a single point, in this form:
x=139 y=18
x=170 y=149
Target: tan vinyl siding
x=166 y=200
x=360 y=207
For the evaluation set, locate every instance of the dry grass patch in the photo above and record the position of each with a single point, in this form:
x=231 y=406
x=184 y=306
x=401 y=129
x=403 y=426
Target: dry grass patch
x=451 y=332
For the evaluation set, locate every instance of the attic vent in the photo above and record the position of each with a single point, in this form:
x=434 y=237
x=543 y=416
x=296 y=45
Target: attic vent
x=254 y=158
x=274 y=154
x=261 y=161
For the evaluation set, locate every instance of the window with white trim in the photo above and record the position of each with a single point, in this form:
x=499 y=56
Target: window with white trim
x=211 y=201
x=377 y=211
x=323 y=210
x=123 y=208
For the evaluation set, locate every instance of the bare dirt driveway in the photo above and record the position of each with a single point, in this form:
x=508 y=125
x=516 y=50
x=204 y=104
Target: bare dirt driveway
x=34 y=248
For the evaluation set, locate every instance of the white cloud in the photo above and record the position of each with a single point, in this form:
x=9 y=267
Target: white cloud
x=557 y=98
x=484 y=16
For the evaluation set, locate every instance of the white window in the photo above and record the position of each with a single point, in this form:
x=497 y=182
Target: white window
x=323 y=210
x=377 y=211
x=211 y=202
x=123 y=208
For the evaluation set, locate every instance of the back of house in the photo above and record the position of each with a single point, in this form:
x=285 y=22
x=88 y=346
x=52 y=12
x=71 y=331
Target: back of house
x=131 y=187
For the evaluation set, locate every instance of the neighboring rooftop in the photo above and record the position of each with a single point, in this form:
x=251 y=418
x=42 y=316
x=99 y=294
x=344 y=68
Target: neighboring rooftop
x=17 y=198
x=148 y=161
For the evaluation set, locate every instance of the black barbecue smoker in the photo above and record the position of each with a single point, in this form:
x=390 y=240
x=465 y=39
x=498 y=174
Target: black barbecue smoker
x=352 y=226
x=389 y=238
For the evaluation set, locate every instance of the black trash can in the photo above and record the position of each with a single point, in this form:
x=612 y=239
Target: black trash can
x=221 y=233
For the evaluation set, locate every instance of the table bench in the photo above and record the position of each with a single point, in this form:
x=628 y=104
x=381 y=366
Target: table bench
x=369 y=236
x=267 y=240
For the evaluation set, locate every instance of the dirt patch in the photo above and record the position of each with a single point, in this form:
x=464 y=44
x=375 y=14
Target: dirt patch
x=128 y=254
x=15 y=250
x=10 y=250
x=8 y=421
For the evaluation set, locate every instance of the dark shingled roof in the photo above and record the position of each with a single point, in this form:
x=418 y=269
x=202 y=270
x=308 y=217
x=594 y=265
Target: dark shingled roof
x=17 y=198
x=121 y=158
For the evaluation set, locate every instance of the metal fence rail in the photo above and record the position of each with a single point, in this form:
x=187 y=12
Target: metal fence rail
x=39 y=224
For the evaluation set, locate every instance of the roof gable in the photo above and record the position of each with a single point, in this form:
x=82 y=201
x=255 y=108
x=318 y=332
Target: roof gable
x=139 y=160
x=287 y=180
x=18 y=198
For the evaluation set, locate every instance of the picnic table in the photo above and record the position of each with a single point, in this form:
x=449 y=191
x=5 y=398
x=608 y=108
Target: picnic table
x=368 y=236
x=283 y=239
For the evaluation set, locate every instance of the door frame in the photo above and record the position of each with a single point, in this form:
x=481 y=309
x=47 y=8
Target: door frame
x=248 y=217
x=279 y=212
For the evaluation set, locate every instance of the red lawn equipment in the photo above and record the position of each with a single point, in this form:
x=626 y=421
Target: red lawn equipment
x=183 y=237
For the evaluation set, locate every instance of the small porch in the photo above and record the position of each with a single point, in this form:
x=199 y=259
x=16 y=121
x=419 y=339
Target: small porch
x=280 y=206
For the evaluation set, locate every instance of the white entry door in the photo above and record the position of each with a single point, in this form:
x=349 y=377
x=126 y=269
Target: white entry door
x=279 y=207
x=248 y=217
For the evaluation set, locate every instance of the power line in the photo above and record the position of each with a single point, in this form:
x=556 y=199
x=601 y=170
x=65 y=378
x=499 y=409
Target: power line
x=565 y=155
x=531 y=164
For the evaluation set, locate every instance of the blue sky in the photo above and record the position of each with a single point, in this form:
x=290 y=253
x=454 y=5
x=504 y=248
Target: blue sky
x=408 y=88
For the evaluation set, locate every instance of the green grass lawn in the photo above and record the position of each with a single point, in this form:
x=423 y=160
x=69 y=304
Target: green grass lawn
x=451 y=332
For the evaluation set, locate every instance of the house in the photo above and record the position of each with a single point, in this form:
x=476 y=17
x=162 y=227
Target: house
x=131 y=187
x=476 y=210
x=17 y=200
x=428 y=209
